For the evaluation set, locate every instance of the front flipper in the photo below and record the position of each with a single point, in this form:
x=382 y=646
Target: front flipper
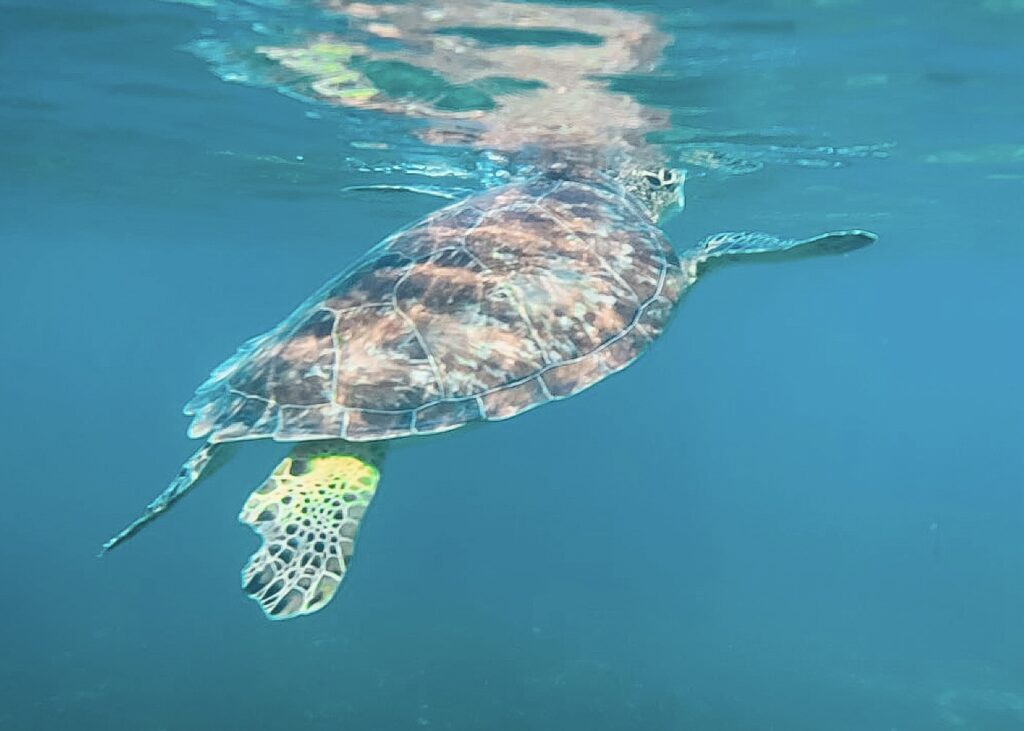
x=307 y=513
x=745 y=242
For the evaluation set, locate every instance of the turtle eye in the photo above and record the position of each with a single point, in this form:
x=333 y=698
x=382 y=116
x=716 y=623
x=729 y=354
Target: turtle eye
x=653 y=180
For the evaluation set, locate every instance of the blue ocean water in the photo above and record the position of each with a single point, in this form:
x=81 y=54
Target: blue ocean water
x=801 y=510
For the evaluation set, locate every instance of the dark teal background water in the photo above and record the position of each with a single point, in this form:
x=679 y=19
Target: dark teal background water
x=802 y=510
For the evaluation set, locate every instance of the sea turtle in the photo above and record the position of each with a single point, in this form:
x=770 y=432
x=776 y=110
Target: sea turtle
x=514 y=297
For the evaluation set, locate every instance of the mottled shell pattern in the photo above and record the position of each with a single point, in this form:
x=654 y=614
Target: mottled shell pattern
x=509 y=299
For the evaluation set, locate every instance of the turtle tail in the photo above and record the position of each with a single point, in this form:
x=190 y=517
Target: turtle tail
x=201 y=464
x=728 y=245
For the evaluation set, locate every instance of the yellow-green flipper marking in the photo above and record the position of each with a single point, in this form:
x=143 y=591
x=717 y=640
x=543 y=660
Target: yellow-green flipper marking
x=307 y=513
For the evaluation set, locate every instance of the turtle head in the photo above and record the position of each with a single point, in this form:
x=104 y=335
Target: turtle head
x=660 y=190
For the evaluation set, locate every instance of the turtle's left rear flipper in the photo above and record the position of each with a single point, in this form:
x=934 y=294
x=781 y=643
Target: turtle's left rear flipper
x=201 y=464
x=308 y=512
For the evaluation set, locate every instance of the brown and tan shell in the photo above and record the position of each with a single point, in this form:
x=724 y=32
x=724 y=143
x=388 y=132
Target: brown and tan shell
x=509 y=299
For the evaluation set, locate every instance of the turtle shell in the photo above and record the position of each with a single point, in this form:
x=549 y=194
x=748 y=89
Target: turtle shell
x=509 y=299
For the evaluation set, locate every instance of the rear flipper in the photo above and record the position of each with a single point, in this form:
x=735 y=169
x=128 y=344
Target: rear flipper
x=201 y=464
x=308 y=512
x=739 y=243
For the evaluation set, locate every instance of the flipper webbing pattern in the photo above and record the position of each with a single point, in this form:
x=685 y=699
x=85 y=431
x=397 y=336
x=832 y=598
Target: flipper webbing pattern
x=307 y=513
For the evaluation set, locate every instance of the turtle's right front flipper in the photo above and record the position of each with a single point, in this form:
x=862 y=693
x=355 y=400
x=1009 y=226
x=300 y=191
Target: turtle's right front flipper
x=201 y=464
x=745 y=242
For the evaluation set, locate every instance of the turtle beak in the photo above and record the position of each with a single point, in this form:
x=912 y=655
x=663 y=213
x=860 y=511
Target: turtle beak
x=676 y=206
x=681 y=196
